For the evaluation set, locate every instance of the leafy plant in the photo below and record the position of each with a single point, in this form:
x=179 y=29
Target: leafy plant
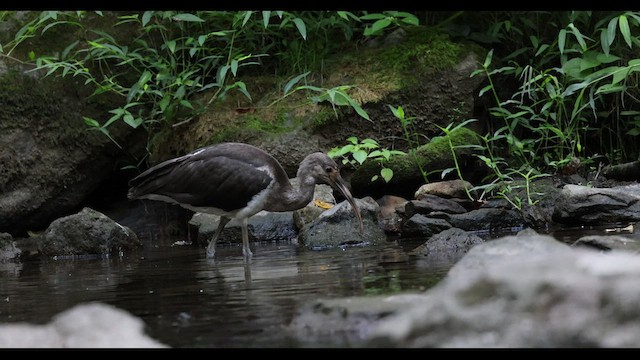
x=386 y=20
x=410 y=134
x=355 y=153
x=336 y=96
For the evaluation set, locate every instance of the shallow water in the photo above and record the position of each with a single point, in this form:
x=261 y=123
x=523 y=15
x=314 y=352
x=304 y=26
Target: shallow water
x=187 y=300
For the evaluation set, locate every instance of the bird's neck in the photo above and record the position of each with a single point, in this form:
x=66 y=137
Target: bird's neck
x=294 y=198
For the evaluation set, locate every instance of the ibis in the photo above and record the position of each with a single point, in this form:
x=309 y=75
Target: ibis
x=237 y=180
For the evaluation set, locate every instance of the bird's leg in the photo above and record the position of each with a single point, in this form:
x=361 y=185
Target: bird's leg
x=211 y=248
x=246 y=251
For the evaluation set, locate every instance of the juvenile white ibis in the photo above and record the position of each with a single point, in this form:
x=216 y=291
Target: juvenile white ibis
x=236 y=180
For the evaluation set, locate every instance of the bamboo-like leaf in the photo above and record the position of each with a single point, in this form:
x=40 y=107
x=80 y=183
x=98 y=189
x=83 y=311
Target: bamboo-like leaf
x=91 y=122
x=301 y=27
x=562 y=37
x=611 y=30
x=294 y=81
x=542 y=49
x=604 y=41
x=247 y=15
x=186 y=17
x=579 y=37
x=485 y=89
x=624 y=29
x=265 y=18
x=487 y=59
x=234 y=67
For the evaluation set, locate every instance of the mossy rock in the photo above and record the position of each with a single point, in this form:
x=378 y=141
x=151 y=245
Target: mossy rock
x=407 y=174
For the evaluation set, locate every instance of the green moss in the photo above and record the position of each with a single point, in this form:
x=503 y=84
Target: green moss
x=423 y=51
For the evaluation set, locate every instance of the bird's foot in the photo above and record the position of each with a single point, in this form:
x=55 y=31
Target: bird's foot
x=246 y=252
x=211 y=253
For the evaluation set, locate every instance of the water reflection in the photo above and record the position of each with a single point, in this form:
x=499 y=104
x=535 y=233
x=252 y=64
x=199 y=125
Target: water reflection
x=188 y=300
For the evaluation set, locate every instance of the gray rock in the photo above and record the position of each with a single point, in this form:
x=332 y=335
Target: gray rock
x=263 y=226
x=307 y=214
x=587 y=205
x=89 y=325
x=429 y=203
x=447 y=246
x=421 y=226
x=485 y=219
x=338 y=226
x=8 y=249
x=388 y=216
x=609 y=242
x=344 y=322
x=446 y=189
x=526 y=242
x=87 y=232
x=50 y=166
x=526 y=291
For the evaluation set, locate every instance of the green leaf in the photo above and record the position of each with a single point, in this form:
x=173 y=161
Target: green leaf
x=359 y=109
x=411 y=20
x=301 y=27
x=360 y=156
x=379 y=25
x=265 y=18
x=294 y=81
x=171 y=44
x=91 y=122
x=487 y=59
x=164 y=103
x=624 y=29
x=247 y=15
x=186 y=104
x=578 y=36
x=485 y=89
x=562 y=37
x=610 y=88
x=186 y=17
x=346 y=15
x=542 y=48
x=234 y=67
x=445 y=172
x=146 y=17
x=611 y=30
x=386 y=174
x=134 y=123
x=375 y=154
x=372 y=17
x=604 y=42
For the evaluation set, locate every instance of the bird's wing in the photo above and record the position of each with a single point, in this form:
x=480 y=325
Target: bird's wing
x=204 y=180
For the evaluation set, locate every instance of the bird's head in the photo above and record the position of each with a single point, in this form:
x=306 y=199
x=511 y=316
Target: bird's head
x=324 y=170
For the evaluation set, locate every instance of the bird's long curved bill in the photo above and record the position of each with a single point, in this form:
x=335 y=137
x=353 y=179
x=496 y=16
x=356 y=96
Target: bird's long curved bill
x=339 y=184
